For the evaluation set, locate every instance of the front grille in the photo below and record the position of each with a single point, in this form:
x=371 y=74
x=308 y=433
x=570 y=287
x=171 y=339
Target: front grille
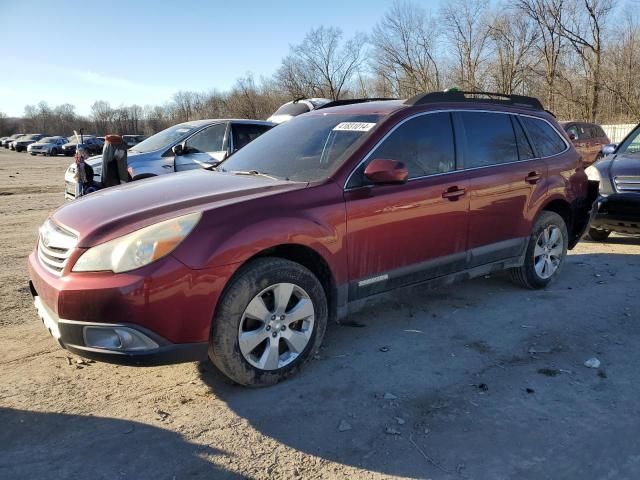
x=627 y=184
x=54 y=247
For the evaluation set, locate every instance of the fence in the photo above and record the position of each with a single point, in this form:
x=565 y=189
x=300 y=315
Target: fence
x=617 y=132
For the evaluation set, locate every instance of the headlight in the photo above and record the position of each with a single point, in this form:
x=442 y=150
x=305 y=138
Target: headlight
x=593 y=173
x=138 y=248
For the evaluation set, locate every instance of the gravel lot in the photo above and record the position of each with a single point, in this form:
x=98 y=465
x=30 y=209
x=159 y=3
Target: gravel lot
x=479 y=380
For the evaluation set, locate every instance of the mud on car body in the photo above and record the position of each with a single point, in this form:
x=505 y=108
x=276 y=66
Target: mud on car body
x=246 y=264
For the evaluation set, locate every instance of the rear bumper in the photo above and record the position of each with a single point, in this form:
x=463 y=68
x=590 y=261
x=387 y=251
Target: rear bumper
x=619 y=212
x=584 y=214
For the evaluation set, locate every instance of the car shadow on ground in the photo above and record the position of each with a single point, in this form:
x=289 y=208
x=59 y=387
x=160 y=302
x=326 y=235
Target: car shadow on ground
x=60 y=446
x=476 y=380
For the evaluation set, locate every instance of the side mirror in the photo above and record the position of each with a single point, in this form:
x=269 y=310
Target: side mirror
x=609 y=149
x=382 y=171
x=178 y=149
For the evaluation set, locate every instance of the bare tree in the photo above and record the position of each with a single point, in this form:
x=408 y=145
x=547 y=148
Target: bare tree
x=513 y=38
x=468 y=33
x=320 y=66
x=583 y=27
x=548 y=16
x=405 y=43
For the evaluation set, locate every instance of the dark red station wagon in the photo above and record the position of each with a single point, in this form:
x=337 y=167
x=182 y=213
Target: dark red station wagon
x=247 y=264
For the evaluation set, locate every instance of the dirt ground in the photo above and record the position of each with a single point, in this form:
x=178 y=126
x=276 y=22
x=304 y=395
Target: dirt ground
x=480 y=380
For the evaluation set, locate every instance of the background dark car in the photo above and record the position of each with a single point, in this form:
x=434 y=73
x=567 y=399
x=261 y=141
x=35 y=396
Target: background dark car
x=619 y=176
x=94 y=145
x=21 y=144
x=132 y=140
x=588 y=139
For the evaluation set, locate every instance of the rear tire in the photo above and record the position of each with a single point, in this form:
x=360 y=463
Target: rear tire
x=545 y=254
x=599 y=235
x=274 y=346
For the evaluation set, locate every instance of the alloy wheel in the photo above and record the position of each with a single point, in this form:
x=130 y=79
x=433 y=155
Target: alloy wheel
x=276 y=326
x=548 y=251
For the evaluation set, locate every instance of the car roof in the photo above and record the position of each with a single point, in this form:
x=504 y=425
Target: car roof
x=211 y=121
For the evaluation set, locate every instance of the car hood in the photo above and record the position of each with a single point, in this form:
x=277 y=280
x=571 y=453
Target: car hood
x=113 y=212
x=623 y=164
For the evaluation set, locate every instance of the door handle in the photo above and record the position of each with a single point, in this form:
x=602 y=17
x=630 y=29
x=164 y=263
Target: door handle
x=453 y=193
x=533 y=178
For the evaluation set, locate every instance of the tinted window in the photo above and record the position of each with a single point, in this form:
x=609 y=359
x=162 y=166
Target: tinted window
x=243 y=134
x=545 y=138
x=307 y=148
x=208 y=140
x=489 y=138
x=573 y=130
x=525 y=152
x=424 y=144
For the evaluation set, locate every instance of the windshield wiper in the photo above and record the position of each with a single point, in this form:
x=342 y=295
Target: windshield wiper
x=252 y=172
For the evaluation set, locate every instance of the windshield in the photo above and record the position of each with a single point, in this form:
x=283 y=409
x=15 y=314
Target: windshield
x=308 y=148
x=164 y=138
x=632 y=143
x=48 y=140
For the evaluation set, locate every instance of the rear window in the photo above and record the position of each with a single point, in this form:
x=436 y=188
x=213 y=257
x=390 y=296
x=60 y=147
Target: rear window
x=545 y=138
x=490 y=139
x=292 y=109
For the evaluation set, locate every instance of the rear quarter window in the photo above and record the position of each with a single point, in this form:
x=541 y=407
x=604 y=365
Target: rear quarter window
x=545 y=138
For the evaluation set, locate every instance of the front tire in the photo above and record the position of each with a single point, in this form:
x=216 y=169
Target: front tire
x=599 y=235
x=546 y=251
x=270 y=321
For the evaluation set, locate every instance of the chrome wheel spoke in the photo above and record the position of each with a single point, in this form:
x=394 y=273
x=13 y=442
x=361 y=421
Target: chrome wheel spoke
x=281 y=295
x=538 y=250
x=270 y=358
x=301 y=311
x=269 y=336
x=556 y=251
x=257 y=309
x=248 y=341
x=554 y=237
x=295 y=340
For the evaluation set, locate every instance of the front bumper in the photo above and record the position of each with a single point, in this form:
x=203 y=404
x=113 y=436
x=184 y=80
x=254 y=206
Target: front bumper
x=165 y=301
x=619 y=212
x=70 y=335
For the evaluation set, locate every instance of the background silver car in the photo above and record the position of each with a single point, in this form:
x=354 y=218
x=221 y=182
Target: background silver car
x=50 y=146
x=186 y=146
x=21 y=144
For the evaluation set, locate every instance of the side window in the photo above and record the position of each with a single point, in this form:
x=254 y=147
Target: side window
x=585 y=132
x=545 y=138
x=208 y=140
x=525 y=152
x=573 y=130
x=490 y=139
x=243 y=134
x=424 y=144
x=600 y=131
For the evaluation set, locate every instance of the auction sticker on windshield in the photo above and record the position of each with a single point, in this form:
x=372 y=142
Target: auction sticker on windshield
x=354 y=127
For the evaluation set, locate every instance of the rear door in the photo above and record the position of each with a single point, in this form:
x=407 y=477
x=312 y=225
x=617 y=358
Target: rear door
x=403 y=234
x=506 y=179
x=204 y=149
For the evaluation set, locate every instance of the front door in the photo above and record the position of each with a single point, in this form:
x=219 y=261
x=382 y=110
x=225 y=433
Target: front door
x=204 y=149
x=403 y=234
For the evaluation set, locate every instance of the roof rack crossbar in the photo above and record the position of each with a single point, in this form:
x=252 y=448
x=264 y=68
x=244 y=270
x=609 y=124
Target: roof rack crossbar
x=350 y=101
x=461 y=96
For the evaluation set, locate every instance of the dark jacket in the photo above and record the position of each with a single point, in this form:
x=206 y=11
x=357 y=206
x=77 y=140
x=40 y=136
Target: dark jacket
x=114 y=161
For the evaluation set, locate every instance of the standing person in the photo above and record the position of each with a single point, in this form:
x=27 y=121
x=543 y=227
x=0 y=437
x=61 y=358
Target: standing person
x=84 y=173
x=114 y=161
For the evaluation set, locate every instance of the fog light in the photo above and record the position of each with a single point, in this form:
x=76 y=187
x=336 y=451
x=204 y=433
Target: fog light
x=122 y=339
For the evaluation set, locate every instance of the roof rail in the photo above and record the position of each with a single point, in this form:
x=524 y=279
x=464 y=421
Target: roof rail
x=483 y=97
x=350 y=101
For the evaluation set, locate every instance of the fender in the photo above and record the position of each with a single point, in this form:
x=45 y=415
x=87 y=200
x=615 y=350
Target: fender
x=238 y=232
